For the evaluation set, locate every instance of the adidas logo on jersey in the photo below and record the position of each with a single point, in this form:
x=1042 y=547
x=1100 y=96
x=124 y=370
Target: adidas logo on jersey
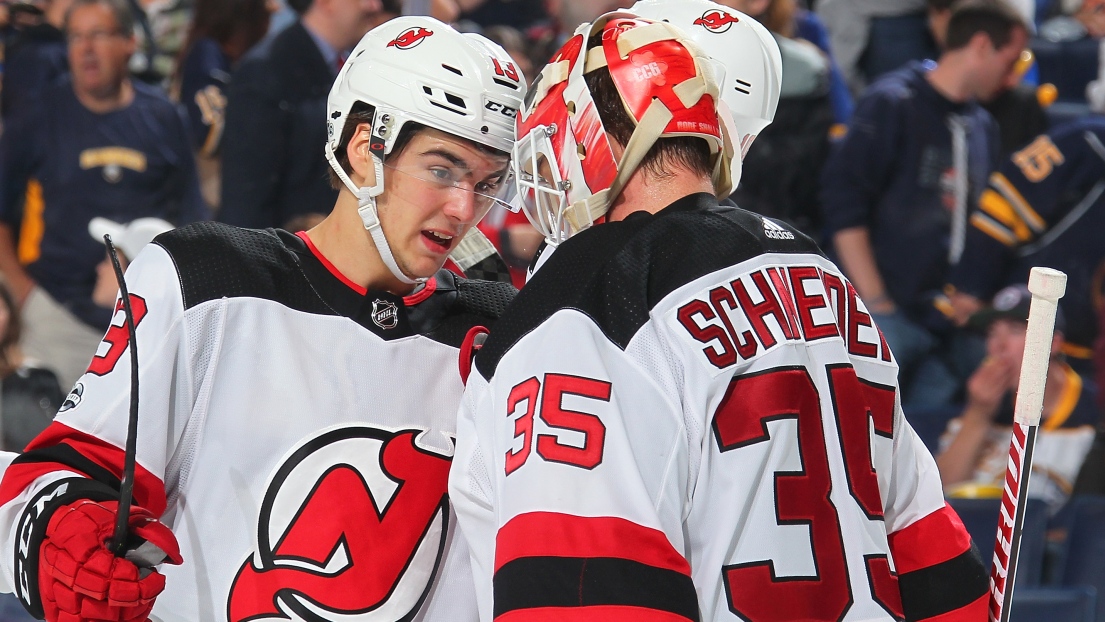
x=776 y=232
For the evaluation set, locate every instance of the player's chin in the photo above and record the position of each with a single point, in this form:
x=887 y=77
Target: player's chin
x=424 y=265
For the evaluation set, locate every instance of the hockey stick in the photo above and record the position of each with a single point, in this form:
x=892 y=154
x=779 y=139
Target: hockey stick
x=1047 y=287
x=126 y=485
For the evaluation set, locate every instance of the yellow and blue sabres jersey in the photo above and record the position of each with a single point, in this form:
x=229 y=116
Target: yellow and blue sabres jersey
x=1045 y=207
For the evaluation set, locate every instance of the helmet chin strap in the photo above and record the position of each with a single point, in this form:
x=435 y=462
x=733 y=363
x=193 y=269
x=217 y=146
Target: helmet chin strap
x=366 y=207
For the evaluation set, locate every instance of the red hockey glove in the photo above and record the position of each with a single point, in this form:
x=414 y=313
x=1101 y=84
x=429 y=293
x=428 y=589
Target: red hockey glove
x=79 y=580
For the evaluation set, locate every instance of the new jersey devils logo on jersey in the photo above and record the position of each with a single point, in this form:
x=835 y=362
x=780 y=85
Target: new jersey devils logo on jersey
x=353 y=527
x=716 y=21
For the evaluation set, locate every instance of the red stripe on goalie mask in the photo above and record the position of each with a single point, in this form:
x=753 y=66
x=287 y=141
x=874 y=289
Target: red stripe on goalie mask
x=652 y=72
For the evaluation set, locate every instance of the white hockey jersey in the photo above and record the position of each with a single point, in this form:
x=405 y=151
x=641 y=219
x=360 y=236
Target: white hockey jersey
x=691 y=416
x=295 y=433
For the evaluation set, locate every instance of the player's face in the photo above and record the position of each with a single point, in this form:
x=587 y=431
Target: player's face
x=435 y=190
x=98 y=50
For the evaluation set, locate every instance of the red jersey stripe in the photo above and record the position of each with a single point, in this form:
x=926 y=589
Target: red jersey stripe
x=329 y=266
x=149 y=490
x=549 y=534
x=934 y=539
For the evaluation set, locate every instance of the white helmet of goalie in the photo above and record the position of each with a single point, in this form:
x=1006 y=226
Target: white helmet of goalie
x=751 y=64
x=418 y=69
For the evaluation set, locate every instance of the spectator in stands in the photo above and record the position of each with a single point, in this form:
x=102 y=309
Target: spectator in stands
x=1075 y=19
x=1091 y=479
x=273 y=173
x=222 y=31
x=34 y=60
x=99 y=144
x=1016 y=108
x=786 y=19
x=974 y=451
x=29 y=394
x=511 y=13
x=897 y=192
x=849 y=25
x=782 y=167
x=1044 y=207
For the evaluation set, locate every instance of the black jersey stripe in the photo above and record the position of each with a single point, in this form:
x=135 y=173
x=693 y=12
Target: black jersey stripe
x=215 y=260
x=536 y=582
x=944 y=587
x=66 y=456
x=617 y=272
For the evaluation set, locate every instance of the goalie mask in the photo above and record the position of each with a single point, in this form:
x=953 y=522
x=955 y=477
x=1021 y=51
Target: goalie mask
x=563 y=163
x=417 y=69
x=751 y=67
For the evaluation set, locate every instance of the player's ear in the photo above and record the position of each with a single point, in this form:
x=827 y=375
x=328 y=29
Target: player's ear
x=360 y=159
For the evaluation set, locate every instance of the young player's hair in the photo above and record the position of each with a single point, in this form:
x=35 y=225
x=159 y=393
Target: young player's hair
x=996 y=18
x=124 y=20
x=689 y=152
x=364 y=113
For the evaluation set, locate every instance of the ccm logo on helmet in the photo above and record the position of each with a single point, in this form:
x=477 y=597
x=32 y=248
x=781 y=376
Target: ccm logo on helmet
x=410 y=38
x=716 y=21
x=506 y=111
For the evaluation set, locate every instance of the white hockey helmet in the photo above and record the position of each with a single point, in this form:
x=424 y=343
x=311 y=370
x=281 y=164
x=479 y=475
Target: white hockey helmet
x=417 y=69
x=751 y=65
x=563 y=162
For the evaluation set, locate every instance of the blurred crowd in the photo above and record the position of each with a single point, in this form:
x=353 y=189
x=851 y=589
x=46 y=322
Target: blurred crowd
x=937 y=149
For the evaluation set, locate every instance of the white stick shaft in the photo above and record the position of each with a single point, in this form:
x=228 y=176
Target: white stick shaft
x=1047 y=287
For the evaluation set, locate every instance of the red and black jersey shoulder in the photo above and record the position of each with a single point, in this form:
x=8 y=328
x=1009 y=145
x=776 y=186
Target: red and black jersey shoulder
x=617 y=272
x=215 y=260
x=459 y=304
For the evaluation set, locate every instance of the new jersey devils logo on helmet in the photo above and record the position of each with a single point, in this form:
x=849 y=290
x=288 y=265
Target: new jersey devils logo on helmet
x=352 y=527
x=410 y=38
x=716 y=20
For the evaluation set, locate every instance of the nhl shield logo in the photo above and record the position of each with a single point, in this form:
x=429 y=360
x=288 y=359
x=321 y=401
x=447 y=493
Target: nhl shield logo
x=716 y=21
x=385 y=314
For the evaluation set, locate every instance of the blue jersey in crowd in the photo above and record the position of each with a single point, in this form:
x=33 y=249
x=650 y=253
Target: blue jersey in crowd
x=894 y=173
x=34 y=60
x=1045 y=207
x=72 y=164
x=205 y=73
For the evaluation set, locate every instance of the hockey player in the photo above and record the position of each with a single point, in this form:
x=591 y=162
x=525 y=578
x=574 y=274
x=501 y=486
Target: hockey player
x=298 y=391
x=687 y=413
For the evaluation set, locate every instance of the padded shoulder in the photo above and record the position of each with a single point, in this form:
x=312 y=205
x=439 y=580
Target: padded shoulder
x=214 y=260
x=615 y=273
x=459 y=305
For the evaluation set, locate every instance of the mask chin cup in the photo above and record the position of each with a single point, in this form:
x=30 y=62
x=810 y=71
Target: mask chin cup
x=544 y=204
x=370 y=217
